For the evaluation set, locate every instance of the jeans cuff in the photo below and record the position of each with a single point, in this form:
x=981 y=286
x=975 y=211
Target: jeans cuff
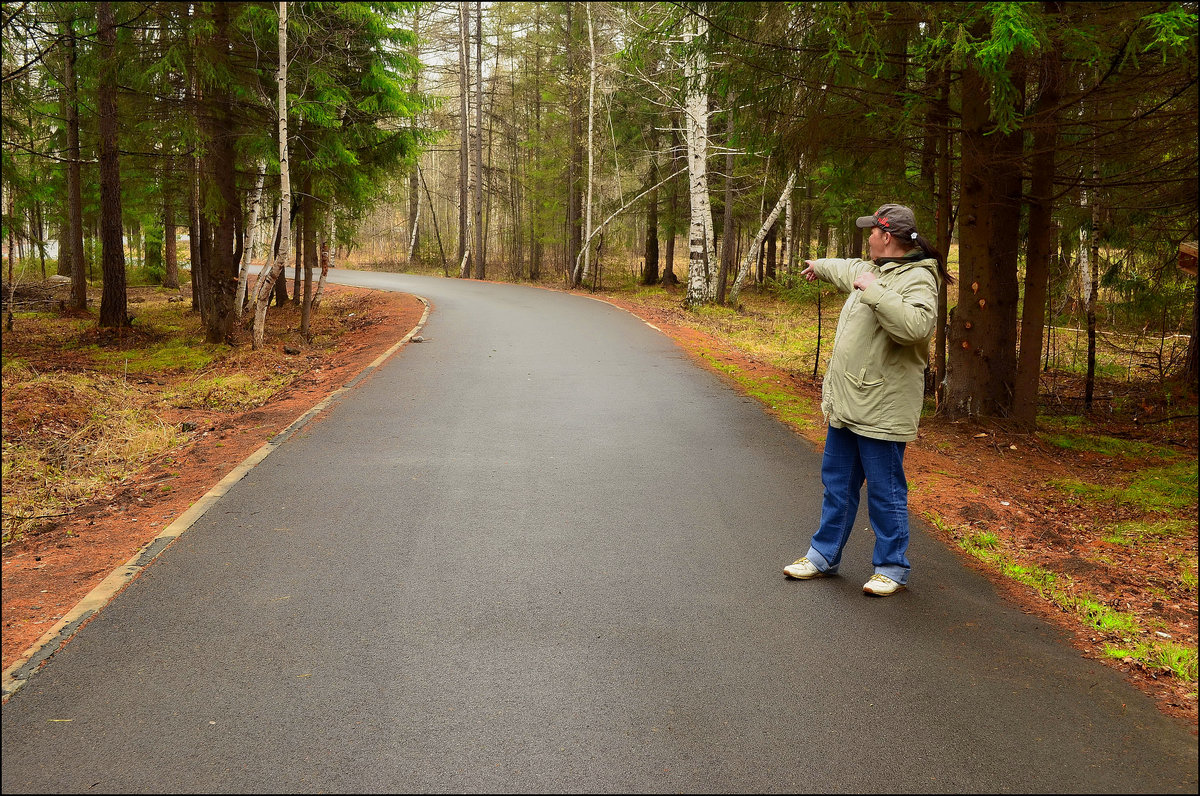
x=819 y=560
x=898 y=574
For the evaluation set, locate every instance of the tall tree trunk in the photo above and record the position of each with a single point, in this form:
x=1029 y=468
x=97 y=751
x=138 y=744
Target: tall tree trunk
x=267 y=280
x=982 y=367
x=308 y=252
x=414 y=176
x=650 y=263
x=480 y=265
x=772 y=249
x=668 y=277
x=112 y=303
x=222 y=190
x=170 y=244
x=591 y=145
x=728 y=230
x=464 y=163
x=701 y=279
x=248 y=245
x=806 y=224
x=575 y=162
x=1093 y=290
x=1041 y=240
x=944 y=209
x=789 y=244
x=535 y=219
x=77 y=268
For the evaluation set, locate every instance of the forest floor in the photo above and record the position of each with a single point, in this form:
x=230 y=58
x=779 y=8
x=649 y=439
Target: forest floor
x=1062 y=521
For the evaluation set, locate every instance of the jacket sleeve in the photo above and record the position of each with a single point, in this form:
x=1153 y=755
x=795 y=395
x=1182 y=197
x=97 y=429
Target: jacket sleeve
x=840 y=272
x=908 y=311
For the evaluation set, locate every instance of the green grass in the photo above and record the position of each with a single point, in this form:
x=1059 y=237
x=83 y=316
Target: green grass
x=1157 y=489
x=235 y=392
x=1130 y=533
x=1176 y=658
x=1187 y=574
x=793 y=409
x=1105 y=619
x=1109 y=446
x=173 y=355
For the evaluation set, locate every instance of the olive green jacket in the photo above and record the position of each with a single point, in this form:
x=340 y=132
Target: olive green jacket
x=875 y=382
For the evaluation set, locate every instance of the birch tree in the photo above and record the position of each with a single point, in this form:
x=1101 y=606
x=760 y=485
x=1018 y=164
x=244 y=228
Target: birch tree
x=266 y=282
x=701 y=287
x=752 y=250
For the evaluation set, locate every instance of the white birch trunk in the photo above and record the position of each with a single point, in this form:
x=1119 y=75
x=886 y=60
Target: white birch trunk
x=587 y=234
x=412 y=238
x=786 y=264
x=701 y=277
x=759 y=238
x=266 y=280
x=1085 y=267
x=320 y=291
x=248 y=245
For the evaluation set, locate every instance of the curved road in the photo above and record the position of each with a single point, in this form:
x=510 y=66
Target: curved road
x=541 y=551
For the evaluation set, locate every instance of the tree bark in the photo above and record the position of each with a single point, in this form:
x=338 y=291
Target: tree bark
x=1089 y=387
x=478 y=254
x=668 y=274
x=267 y=280
x=591 y=145
x=944 y=209
x=728 y=231
x=701 y=279
x=575 y=163
x=1040 y=246
x=308 y=255
x=464 y=164
x=112 y=303
x=982 y=367
x=221 y=190
x=74 y=246
x=754 y=247
x=414 y=176
x=248 y=245
x=650 y=263
x=170 y=243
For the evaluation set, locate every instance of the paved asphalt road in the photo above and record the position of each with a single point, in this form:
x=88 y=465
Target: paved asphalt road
x=541 y=551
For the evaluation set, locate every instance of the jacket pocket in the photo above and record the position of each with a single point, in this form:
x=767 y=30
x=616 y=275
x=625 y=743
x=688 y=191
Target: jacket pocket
x=860 y=379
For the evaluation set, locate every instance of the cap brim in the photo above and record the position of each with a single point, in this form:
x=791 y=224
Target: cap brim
x=865 y=222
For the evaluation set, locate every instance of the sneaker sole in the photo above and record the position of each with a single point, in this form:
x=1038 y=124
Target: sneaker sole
x=805 y=577
x=883 y=593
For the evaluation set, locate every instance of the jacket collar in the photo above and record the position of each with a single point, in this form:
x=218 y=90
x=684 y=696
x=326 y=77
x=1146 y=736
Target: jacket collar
x=914 y=256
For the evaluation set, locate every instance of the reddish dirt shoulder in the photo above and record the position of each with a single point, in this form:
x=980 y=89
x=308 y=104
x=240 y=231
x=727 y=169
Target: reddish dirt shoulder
x=47 y=572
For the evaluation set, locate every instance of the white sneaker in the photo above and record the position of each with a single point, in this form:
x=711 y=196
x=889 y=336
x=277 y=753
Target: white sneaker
x=881 y=585
x=803 y=569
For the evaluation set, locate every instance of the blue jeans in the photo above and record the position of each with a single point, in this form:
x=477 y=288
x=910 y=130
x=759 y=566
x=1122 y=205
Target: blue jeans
x=850 y=458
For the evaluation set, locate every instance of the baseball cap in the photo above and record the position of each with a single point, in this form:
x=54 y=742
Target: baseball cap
x=896 y=219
